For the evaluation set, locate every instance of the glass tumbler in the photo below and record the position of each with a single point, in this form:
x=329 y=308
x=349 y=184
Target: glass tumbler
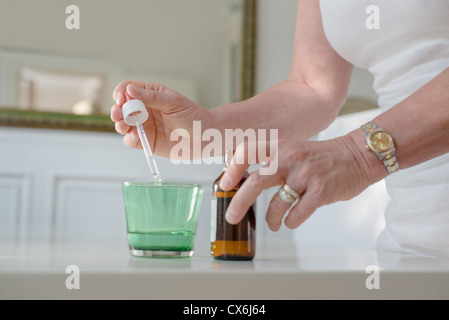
x=161 y=218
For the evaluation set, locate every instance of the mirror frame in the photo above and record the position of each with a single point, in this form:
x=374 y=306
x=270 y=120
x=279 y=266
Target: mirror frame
x=51 y=120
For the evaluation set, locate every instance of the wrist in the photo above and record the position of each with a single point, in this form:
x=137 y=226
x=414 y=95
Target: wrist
x=212 y=134
x=370 y=166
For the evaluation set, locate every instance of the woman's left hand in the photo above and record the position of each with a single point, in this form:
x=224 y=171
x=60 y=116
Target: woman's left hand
x=321 y=172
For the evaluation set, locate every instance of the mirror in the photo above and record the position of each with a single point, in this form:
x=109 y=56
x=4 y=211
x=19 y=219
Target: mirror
x=60 y=63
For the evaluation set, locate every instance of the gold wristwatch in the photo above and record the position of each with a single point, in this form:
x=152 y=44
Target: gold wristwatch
x=382 y=144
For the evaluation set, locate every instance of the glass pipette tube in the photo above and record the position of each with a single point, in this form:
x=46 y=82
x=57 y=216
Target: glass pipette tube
x=145 y=144
x=148 y=154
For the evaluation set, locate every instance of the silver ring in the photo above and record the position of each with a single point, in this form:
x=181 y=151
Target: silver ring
x=287 y=194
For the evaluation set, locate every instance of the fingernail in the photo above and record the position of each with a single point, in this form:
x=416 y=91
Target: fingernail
x=139 y=91
x=133 y=87
x=225 y=183
x=231 y=216
x=118 y=99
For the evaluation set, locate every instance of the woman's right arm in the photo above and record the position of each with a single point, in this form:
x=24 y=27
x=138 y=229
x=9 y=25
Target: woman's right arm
x=311 y=96
x=299 y=107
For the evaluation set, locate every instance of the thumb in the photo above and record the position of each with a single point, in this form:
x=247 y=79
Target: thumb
x=155 y=97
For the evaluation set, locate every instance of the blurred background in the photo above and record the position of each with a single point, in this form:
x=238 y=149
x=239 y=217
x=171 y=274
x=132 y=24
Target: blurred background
x=61 y=164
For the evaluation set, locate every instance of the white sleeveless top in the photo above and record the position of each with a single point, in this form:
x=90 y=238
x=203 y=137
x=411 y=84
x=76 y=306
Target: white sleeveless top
x=409 y=48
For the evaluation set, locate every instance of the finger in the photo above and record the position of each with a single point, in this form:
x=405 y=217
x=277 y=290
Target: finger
x=232 y=176
x=245 y=154
x=117 y=116
x=247 y=195
x=303 y=209
x=236 y=169
x=131 y=139
x=155 y=96
x=278 y=207
x=118 y=94
x=275 y=212
x=121 y=127
x=116 y=113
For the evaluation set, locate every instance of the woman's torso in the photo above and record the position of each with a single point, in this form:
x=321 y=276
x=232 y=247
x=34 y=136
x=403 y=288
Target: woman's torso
x=405 y=48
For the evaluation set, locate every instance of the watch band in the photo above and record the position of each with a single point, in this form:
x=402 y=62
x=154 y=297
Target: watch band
x=388 y=157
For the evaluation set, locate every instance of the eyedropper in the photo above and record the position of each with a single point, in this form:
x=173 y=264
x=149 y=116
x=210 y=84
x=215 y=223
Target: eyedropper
x=135 y=114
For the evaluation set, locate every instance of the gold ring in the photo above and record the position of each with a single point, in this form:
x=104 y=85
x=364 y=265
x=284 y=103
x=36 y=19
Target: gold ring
x=287 y=194
x=293 y=193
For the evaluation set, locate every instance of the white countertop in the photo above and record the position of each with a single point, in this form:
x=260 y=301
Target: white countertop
x=37 y=270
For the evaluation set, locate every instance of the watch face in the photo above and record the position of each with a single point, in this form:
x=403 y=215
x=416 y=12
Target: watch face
x=380 y=141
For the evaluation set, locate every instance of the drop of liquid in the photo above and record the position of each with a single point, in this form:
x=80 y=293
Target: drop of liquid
x=157 y=179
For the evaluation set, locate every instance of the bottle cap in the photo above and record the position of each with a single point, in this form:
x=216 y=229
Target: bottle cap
x=134 y=111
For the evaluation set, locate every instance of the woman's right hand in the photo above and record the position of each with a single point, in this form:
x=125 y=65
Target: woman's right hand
x=168 y=110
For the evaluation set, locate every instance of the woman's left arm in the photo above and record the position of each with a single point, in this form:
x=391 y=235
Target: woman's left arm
x=418 y=124
x=323 y=172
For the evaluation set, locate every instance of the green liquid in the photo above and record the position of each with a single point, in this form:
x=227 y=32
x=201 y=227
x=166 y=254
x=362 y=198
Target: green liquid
x=161 y=218
x=162 y=241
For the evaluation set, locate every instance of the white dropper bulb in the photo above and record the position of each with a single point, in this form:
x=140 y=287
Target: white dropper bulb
x=135 y=114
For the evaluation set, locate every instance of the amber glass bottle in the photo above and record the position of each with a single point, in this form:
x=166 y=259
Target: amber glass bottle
x=231 y=242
